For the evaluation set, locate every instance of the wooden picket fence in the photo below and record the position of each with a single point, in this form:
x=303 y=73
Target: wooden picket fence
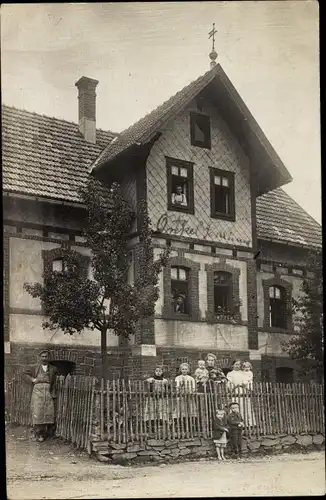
x=74 y=406
x=74 y=415
x=122 y=411
x=130 y=412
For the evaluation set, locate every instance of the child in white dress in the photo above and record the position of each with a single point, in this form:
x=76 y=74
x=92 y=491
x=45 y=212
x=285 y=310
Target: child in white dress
x=247 y=380
x=248 y=376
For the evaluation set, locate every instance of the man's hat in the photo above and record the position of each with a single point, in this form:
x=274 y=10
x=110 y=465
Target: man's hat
x=43 y=351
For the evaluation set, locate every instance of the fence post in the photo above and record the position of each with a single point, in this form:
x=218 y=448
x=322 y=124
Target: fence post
x=96 y=421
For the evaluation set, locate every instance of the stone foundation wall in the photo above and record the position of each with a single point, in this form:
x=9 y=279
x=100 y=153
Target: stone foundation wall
x=167 y=450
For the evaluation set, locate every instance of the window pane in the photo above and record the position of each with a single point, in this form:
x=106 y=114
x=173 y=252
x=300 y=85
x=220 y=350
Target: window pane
x=180 y=297
x=221 y=278
x=174 y=273
x=225 y=182
x=271 y=292
x=277 y=293
x=57 y=265
x=182 y=274
x=221 y=298
x=217 y=180
x=199 y=133
x=175 y=170
x=222 y=204
x=180 y=190
x=222 y=293
x=183 y=172
x=277 y=313
x=227 y=203
x=200 y=130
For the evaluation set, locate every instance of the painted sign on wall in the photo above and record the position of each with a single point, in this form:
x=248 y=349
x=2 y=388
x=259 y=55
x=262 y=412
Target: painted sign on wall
x=179 y=225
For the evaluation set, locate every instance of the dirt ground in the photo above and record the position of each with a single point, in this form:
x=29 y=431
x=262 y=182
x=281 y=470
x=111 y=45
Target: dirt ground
x=53 y=470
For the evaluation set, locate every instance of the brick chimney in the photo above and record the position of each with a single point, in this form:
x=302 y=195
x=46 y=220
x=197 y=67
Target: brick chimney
x=87 y=108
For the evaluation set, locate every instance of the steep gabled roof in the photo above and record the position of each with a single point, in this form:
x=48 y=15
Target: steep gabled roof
x=43 y=156
x=281 y=219
x=233 y=110
x=48 y=158
x=143 y=130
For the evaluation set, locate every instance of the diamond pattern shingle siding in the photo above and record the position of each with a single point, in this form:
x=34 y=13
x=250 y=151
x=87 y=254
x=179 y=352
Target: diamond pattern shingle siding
x=224 y=154
x=48 y=157
x=45 y=156
x=232 y=108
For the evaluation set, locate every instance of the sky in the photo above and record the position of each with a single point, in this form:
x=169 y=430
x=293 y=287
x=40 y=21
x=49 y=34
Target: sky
x=142 y=53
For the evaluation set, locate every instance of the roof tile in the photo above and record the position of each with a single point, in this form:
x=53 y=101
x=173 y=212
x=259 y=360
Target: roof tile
x=46 y=156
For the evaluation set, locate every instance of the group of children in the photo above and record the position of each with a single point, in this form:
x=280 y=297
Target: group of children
x=228 y=427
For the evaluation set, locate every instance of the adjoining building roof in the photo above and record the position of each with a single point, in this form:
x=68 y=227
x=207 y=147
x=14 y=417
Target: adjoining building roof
x=48 y=158
x=281 y=219
x=43 y=156
x=270 y=169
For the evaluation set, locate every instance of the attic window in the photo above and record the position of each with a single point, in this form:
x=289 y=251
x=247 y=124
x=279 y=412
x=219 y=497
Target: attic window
x=200 y=130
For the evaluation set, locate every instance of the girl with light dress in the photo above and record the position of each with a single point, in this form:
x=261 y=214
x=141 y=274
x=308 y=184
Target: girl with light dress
x=185 y=408
x=248 y=378
x=220 y=431
x=236 y=381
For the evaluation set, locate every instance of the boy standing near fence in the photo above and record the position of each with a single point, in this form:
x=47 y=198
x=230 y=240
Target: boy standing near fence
x=236 y=424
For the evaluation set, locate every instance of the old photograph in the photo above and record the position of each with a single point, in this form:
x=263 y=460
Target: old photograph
x=162 y=250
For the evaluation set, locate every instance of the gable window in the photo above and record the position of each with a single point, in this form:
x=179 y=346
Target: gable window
x=222 y=194
x=277 y=307
x=200 y=130
x=222 y=294
x=180 y=290
x=180 y=185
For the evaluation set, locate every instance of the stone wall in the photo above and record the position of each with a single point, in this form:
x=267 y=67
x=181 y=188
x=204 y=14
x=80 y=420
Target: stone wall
x=154 y=450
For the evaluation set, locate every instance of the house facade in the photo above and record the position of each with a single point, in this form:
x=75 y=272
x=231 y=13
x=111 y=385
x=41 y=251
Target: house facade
x=212 y=183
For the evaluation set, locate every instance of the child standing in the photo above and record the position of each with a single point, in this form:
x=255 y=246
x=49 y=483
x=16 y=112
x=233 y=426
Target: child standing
x=220 y=430
x=236 y=424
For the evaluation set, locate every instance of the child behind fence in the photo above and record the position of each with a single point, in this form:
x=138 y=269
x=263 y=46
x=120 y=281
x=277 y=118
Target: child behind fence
x=236 y=425
x=220 y=431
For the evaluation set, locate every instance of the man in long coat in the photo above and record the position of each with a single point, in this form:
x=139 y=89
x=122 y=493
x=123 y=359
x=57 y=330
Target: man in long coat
x=43 y=399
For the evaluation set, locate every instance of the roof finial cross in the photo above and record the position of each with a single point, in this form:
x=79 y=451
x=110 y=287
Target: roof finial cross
x=213 y=54
x=212 y=34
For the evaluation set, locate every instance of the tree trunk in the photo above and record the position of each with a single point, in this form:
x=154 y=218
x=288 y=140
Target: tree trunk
x=104 y=355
